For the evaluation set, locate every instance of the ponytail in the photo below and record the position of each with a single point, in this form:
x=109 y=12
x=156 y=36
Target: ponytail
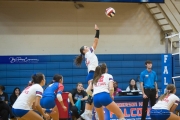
x=37 y=78
x=52 y=81
x=56 y=78
x=163 y=96
x=78 y=60
x=101 y=69
x=97 y=75
x=169 y=89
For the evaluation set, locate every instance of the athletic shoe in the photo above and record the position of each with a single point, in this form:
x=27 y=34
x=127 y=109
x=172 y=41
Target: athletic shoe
x=86 y=116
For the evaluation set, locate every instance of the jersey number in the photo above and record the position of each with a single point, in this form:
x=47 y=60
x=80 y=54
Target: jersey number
x=101 y=79
x=26 y=90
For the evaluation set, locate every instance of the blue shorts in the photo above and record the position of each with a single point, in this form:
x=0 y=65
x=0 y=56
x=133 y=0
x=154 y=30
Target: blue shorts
x=48 y=102
x=90 y=76
x=159 y=114
x=19 y=112
x=102 y=99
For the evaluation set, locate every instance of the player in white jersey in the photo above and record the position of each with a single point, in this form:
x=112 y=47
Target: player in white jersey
x=167 y=103
x=91 y=61
x=32 y=94
x=103 y=90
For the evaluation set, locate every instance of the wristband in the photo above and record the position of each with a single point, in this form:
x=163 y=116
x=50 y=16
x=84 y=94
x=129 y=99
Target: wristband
x=97 y=34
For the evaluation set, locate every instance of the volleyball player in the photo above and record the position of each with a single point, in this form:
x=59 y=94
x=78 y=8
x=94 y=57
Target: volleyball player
x=103 y=90
x=32 y=94
x=91 y=61
x=167 y=103
x=53 y=91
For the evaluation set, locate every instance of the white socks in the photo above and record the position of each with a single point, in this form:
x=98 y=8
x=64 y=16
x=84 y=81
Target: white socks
x=88 y=111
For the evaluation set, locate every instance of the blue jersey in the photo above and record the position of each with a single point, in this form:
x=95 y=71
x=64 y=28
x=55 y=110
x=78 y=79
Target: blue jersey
x=148 y=78
x=53 y=89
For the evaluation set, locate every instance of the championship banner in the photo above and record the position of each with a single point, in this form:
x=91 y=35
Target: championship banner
x=131 y=110
x=166 y=70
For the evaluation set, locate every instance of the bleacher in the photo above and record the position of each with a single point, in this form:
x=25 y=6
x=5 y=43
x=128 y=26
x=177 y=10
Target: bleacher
x=123 y=67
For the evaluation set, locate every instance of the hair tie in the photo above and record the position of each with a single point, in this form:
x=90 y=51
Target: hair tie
x=53 y=81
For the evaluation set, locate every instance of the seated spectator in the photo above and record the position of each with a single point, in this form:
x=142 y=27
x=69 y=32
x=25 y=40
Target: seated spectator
x=116 y=89
x=5 y=110
x=77 y=94
x=3 y=100
x=3 y=95
x=132 y=85
x=14 y=96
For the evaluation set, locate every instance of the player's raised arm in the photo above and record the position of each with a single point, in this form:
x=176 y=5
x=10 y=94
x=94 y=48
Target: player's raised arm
x=96 y=37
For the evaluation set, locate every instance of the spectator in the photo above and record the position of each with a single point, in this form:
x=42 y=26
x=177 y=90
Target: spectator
x=116 y=89
x=3 y=100
x=3 y=95
x=77 y=94
x=14 y=96
x=132 y=85
x=5 y=110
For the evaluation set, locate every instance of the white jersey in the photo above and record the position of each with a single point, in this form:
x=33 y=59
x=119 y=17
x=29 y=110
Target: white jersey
x=102 y=84
x=27 y=97
x=91 y=60
x=167 y=102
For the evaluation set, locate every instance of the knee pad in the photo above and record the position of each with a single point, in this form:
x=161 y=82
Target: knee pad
x=89 y=100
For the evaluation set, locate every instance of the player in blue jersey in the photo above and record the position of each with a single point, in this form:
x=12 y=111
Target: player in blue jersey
x=53 y=91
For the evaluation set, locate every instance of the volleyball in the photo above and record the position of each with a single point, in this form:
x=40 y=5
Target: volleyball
x=110 y=12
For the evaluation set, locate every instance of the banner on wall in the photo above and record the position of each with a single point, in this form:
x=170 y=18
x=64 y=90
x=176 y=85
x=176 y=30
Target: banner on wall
x=166 y=63
x=19 y=59
x=131 y=110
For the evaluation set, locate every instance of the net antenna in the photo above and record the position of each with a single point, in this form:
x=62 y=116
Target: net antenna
x=171 y=36
x=174 y=35
x=173 y=79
